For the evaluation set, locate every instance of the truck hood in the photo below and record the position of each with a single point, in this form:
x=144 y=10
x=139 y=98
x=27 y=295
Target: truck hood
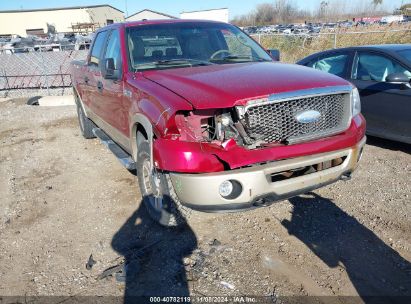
x=228 y=85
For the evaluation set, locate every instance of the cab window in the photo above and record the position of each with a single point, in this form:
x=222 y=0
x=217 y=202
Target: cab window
x=97 y=48
x=333 y=64
x=113 y=49
x=375 y=67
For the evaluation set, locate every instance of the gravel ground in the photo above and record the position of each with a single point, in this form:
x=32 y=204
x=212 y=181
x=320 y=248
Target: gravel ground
x=63 y=198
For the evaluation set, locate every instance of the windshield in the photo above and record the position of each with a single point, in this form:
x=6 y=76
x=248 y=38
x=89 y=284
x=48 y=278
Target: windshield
x=406 y=54
x=173 y=45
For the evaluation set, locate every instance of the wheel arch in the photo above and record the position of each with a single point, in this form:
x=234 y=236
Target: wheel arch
x=79 y=101
x=140 y=123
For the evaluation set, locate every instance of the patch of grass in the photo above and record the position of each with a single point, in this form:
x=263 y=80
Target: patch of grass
x=294 y=48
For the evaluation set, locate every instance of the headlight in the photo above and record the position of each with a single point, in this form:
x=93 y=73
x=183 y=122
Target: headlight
x=224 y=127
x=355 y=102
x=226 y=120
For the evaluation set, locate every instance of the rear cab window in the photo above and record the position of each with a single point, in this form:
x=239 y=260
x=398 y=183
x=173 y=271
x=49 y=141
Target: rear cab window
x=97 y=48
x=161 y=46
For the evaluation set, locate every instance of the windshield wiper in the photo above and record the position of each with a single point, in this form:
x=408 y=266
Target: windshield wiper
x=171 y=63
x=236 y=57
x=191 y=62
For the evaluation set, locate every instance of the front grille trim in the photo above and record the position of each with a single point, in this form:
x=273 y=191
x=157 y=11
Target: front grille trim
x=295 y=96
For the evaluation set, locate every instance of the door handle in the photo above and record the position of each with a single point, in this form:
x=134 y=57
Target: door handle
x=86 y=79
x=100 y=86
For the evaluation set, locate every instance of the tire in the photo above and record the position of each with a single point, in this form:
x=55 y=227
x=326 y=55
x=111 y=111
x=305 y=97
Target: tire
x=33 y=101
x=86 y=125
x=158 y=193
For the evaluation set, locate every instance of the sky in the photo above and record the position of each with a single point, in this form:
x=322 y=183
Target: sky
x=236 y=7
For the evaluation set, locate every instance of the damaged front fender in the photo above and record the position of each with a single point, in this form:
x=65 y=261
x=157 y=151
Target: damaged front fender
x=185 y=157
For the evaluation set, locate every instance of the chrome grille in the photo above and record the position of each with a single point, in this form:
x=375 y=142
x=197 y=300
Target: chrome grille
x=276 y=121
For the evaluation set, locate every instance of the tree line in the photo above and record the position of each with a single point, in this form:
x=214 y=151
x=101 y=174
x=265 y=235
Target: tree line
x=286 y=11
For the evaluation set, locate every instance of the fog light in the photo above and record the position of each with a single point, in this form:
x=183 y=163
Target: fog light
x=226 y=188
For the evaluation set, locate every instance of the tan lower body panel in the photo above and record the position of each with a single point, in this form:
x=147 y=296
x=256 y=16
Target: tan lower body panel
x=201 y=191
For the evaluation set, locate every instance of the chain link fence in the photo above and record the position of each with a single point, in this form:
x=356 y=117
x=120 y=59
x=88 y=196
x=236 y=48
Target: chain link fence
x=332 y=37
x=294 y=47
x=38 y=73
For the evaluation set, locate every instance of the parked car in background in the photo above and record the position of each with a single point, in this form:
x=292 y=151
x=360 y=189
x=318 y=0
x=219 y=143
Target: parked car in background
x=382 y=74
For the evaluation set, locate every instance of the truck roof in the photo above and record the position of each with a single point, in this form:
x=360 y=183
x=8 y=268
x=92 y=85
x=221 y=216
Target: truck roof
x=156 y=21
x=162 y=21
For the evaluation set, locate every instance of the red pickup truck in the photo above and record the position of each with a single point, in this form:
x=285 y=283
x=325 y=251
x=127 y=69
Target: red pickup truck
x=210 y=121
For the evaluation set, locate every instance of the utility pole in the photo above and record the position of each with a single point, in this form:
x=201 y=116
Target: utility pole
x=126 y=9
x=323 y=7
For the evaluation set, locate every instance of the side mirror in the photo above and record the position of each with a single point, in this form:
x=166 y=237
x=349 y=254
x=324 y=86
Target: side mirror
x=109 y=70
x=274 y=53
x=399 y=78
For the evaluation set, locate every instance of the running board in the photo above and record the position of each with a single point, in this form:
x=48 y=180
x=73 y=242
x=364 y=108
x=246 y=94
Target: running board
x=122 y=155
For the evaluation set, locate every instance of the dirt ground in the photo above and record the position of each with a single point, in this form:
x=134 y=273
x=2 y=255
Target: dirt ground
x=63 y=198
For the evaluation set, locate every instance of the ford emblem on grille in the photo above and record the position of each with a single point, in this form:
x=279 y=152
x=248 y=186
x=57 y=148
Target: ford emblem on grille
x=308 y=116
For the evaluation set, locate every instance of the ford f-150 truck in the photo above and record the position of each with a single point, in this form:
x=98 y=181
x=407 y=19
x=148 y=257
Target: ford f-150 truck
x=210 y=121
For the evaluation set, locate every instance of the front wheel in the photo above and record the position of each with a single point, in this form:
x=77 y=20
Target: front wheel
x=157 y=191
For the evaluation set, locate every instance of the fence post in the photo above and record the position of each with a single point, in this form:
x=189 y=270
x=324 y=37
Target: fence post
x=335 y=40
x=62 y=80
x=45 y=72
x=259 y=38
x=7 y=83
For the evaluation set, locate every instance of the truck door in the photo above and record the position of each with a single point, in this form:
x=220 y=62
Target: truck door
x=112 y=101
x=386 y=106
x=93 y=77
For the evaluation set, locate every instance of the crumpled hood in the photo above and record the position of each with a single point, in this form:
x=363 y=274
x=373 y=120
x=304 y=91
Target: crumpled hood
x=224 y=86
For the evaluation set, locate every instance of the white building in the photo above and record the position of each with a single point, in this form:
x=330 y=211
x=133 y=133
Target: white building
x=63 y=19
x=393 y=18
x=220 y=14
x=147 y=14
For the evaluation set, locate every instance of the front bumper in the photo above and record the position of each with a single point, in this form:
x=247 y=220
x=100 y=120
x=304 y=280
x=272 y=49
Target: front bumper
x=198 y=157
x=201 y=191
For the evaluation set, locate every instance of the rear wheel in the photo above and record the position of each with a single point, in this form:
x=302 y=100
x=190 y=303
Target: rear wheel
x=86 y=125
x=158 y=192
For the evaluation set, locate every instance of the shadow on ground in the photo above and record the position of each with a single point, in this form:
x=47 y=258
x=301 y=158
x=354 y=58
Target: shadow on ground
x=378 y=273
x=153 y=257
x=389 y=144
